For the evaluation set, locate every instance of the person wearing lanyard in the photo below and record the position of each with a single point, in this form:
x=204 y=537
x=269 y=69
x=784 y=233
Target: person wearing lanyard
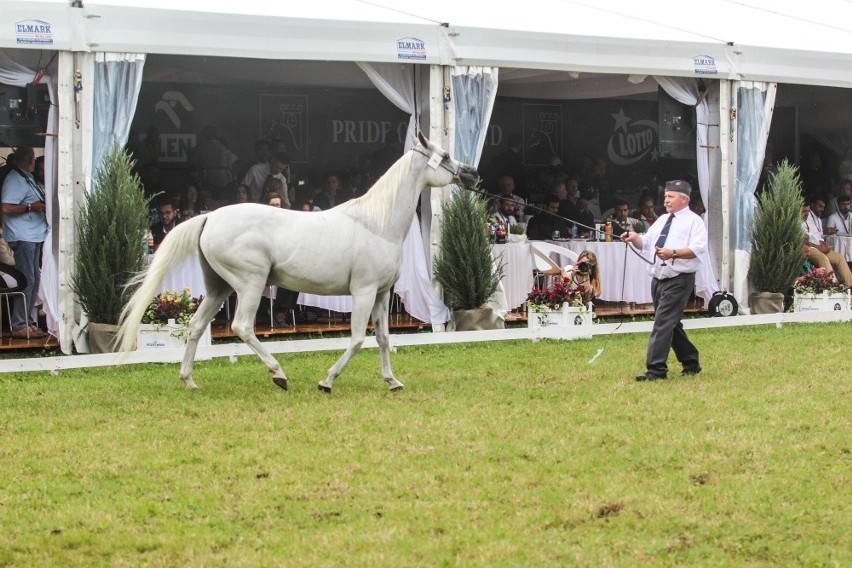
x=818 y=252
x=840 y=223
x=25 y=229
x=677 y=239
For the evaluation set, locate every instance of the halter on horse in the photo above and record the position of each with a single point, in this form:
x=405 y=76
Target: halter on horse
x=354 y=248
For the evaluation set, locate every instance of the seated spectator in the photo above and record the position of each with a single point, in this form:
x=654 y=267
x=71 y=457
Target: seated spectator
x=168 y=220
x=840 y=223
x=274 y=186
x=567 y=206
x=621 y=222
x=192 y=202
x=274 y=199
x=844 y=188
x=331 y=193
x=505 y=214
x=546 y=224
x=696 y=205
x=506 y=190
x=279 y=168
x=257 y=173
x=584 y=219
x=819 y=253
x=586 y=273
x=646 y=212
x=305 y=204
x=242 y=194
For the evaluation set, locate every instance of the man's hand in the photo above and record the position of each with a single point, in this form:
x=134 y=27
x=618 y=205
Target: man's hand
x=632 y=238
x=38 y=206
x=823 y=248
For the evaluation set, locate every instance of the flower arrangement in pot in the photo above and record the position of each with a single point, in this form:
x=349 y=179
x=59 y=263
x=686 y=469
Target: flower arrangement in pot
x=816 y=281
x=558 y=293
x=553 y=304
x=173 y=309
x=819 y=290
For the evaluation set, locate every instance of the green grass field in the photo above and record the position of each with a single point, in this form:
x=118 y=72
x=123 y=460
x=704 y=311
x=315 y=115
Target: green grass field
x=496 y=454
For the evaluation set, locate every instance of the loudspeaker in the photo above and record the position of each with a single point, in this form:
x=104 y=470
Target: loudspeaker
x=23 y=114
x=676 y=128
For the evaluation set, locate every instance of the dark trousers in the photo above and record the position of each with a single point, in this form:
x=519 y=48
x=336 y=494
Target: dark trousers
x=670 y=298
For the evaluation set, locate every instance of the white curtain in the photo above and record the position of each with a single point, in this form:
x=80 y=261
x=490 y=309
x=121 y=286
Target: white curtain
x=396 y=81
x=755 y=103
x=118 y=78
x=474 y=91
x=708 y=157
x=13 y=73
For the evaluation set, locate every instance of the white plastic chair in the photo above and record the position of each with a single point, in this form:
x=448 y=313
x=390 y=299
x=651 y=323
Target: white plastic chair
x=13 y=288
x=543 y=262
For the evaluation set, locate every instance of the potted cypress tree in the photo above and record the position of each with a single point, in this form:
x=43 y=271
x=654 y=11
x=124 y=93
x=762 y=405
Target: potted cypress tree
x=110 y=233
x=463 y=265
x=776 y=241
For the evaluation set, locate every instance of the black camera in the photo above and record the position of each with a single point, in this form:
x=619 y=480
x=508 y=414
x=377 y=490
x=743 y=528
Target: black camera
x=585 y=266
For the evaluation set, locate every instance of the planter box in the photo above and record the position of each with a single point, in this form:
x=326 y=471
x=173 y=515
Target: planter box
x=824 y=302
x=541 y=317
x=169 y=335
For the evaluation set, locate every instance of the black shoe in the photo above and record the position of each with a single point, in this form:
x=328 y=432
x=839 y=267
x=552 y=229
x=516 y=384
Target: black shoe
x=690 y=372
x=649 y=377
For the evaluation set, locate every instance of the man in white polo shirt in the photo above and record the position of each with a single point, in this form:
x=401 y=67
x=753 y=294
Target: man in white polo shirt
x=674 y=242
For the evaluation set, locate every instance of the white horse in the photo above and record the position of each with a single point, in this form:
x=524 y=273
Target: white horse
x=354 y=248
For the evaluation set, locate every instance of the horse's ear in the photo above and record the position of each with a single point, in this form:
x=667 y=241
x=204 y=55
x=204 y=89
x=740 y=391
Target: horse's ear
x=422 y=139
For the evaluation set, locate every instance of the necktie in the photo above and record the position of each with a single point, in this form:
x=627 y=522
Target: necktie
x=661 y=240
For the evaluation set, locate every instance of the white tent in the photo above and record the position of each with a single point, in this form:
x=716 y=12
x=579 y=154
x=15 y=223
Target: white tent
x=547 y=44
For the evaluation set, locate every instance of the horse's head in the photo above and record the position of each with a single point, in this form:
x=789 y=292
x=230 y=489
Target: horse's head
x=446 y=169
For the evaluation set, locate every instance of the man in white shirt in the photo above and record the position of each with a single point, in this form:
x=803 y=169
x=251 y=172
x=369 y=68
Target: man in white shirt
x=674 y=241
x=840 y=223
x=256 y=175
x=820 y=253
x=620 y=217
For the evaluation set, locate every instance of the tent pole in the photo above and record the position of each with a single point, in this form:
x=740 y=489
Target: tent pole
x=726 y=177
x=439 y=131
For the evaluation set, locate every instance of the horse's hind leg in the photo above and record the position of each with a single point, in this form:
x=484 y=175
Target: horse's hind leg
x=360 y=317
x=210 y=305
x=381 y=321
x=243 y=325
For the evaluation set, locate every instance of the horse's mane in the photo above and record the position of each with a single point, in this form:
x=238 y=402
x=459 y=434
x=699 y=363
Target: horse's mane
x=377 y=204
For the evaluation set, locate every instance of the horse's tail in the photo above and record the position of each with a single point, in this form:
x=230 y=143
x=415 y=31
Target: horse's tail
x=180 y=243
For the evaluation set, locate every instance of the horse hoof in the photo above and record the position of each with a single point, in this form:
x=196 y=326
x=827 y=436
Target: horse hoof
x=325 y=389
x=280 y=381
x=397 y=388
x=190 y=384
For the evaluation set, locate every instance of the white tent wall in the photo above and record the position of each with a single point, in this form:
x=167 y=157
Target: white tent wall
x=749 y=40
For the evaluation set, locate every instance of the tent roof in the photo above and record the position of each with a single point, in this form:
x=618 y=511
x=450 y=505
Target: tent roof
x=781 y=40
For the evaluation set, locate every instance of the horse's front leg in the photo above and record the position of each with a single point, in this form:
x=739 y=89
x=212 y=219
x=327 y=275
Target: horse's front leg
x=243 y=325
x=382 y=323
x=361 y=304
x=197 y=325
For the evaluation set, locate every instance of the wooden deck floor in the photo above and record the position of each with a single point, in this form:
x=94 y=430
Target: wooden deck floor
x=335 y=323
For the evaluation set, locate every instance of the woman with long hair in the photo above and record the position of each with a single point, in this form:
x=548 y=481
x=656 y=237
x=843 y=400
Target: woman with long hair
x=586 y=273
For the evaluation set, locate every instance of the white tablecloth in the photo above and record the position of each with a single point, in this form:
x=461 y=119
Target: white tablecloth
x=637 y=286
x=342 y=304
x=187 y=274
x=842 y=244
x=517 y=271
